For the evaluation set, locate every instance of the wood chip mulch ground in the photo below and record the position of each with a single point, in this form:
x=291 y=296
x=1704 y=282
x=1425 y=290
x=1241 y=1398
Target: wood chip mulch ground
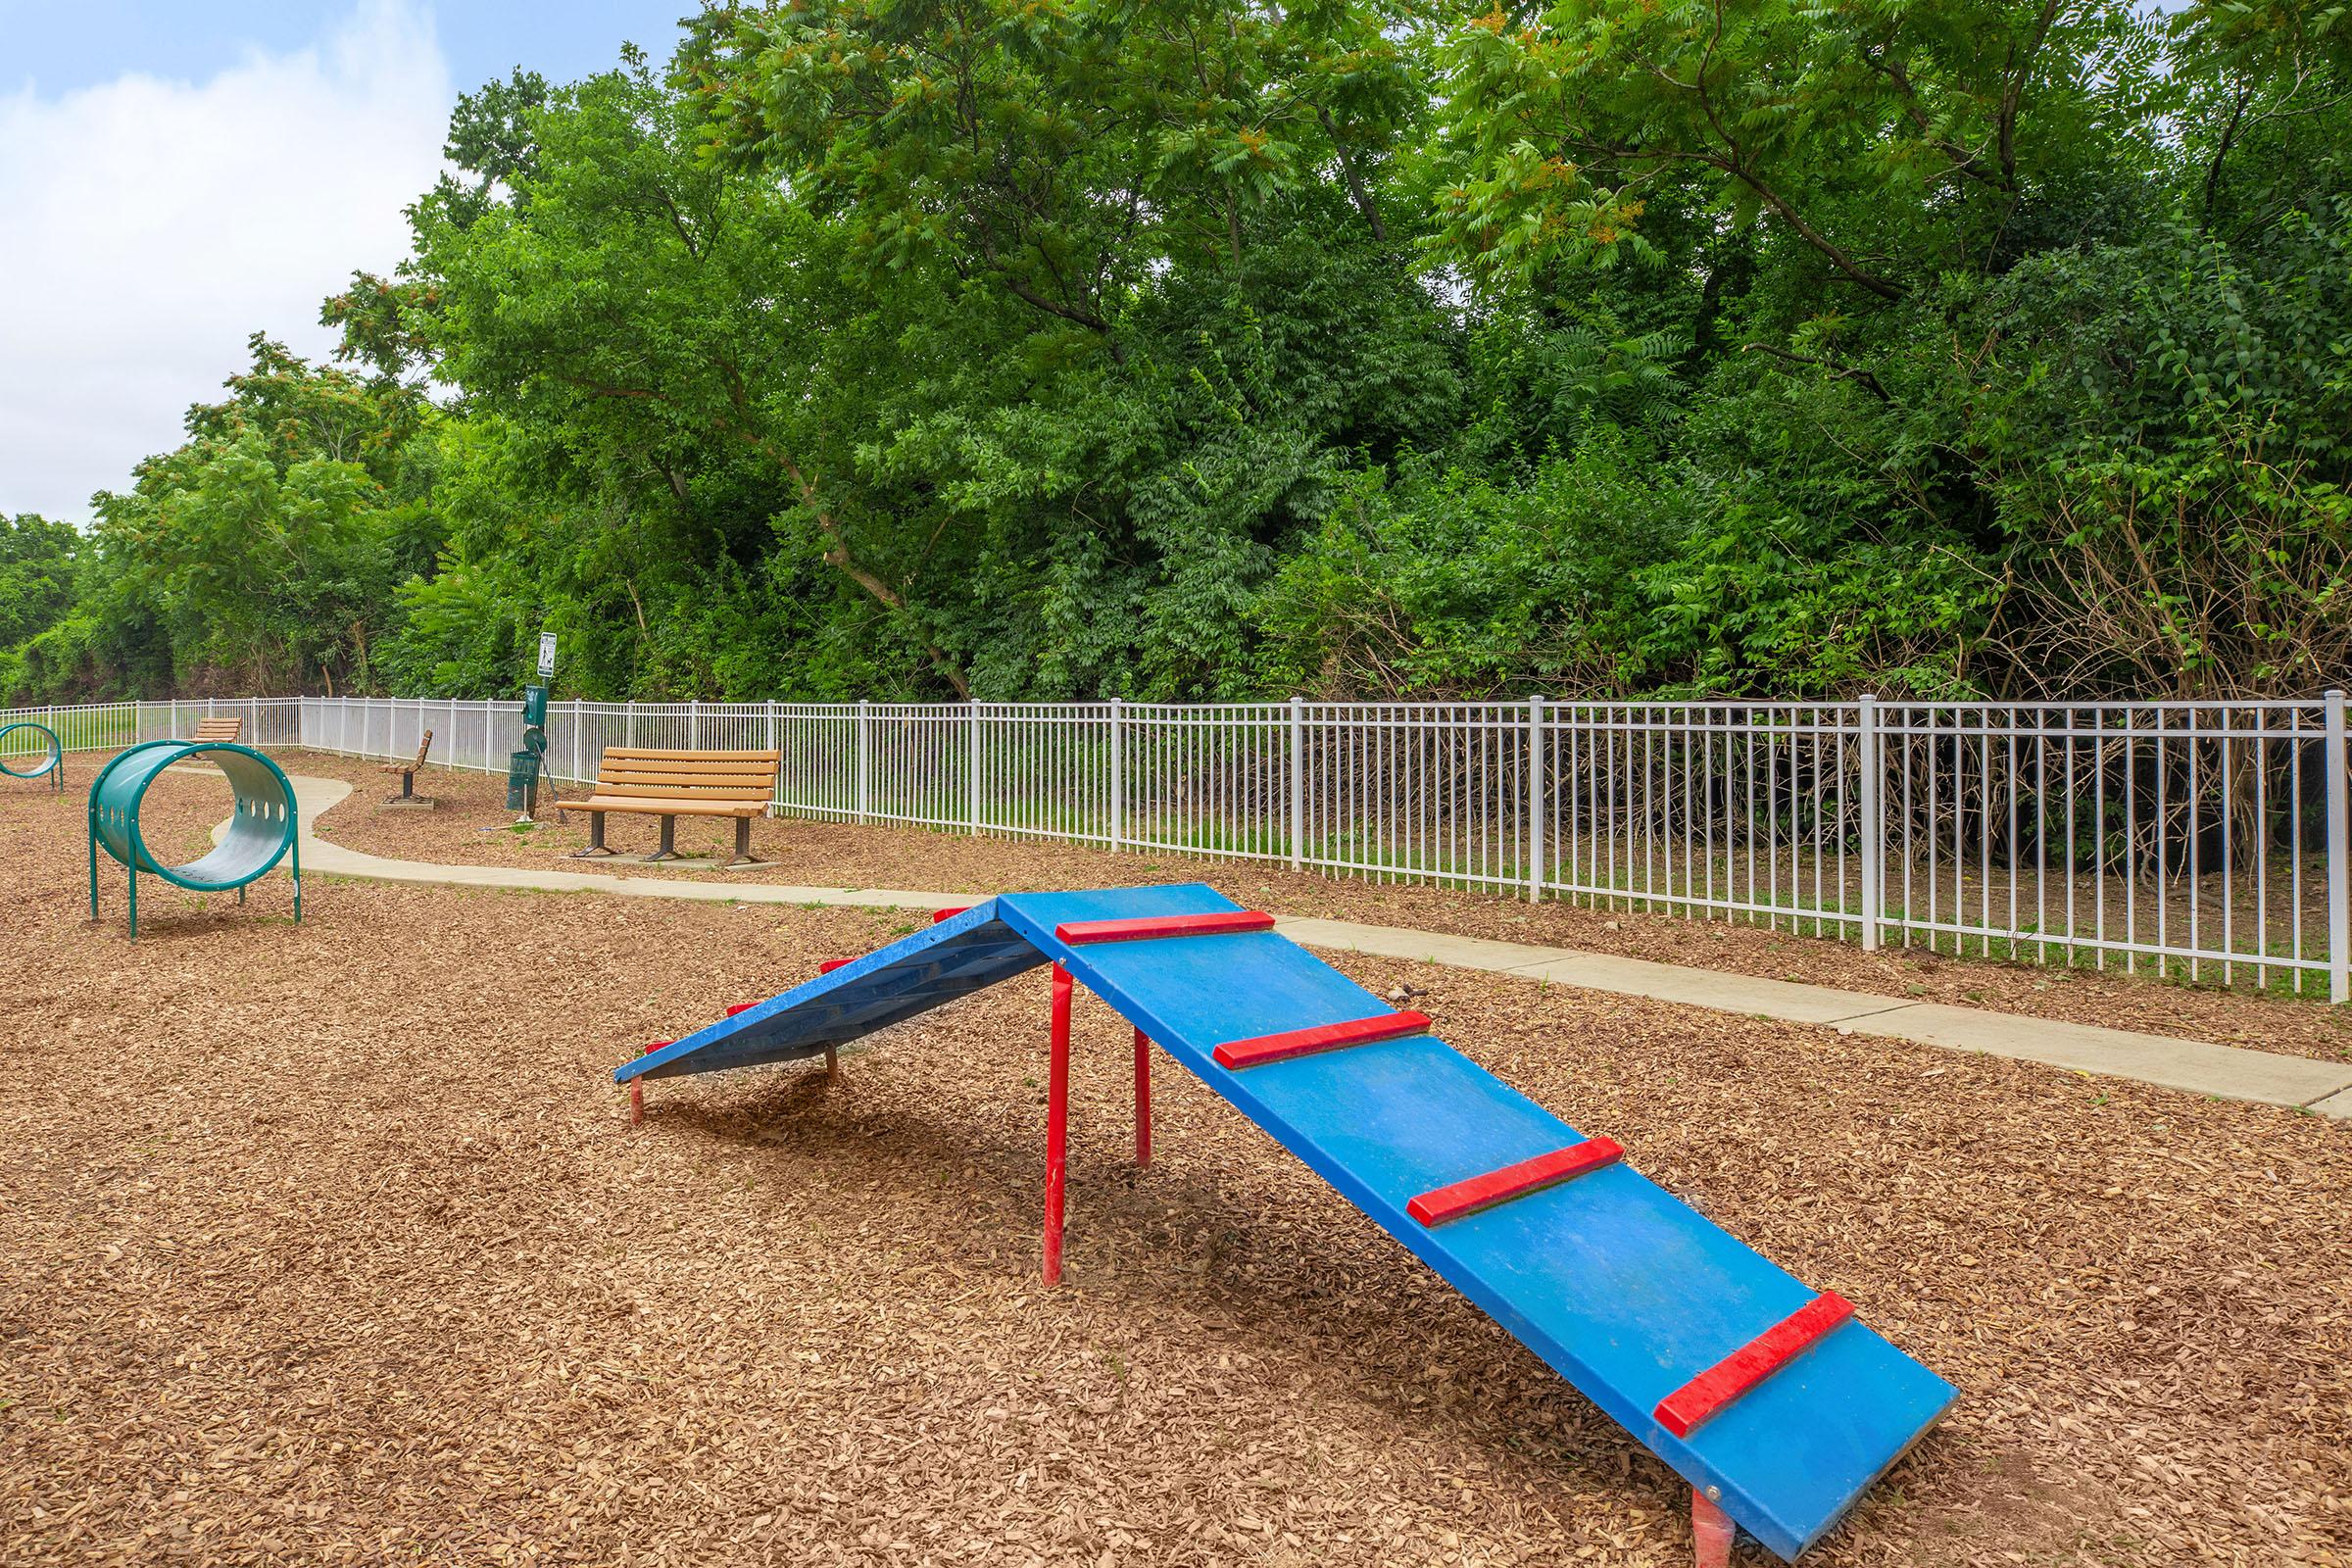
x=836 y=853
x=331 y=1244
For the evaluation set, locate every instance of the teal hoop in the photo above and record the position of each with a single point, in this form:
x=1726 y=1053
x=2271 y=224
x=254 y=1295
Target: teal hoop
x=52 y=766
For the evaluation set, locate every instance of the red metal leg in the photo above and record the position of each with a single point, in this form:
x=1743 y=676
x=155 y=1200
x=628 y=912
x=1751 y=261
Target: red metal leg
x=1711 y=1533
x=832 y=1066
x=637 y=1085
x=1057 y=1121
x=1143 y=1097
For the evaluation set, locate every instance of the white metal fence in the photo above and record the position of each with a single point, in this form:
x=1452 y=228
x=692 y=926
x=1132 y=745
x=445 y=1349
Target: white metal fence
x=2203 y=841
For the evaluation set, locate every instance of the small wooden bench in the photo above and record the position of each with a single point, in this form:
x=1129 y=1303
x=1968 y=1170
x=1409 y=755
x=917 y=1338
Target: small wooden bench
x=674 y=784
x=231 y=730
x=408 y=772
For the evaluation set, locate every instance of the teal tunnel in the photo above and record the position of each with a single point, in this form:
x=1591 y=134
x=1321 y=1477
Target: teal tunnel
x=48 y=761
x=261 y=831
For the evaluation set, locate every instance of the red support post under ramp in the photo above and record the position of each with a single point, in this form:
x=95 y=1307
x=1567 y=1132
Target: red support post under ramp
x=1143 y=1097
x=1711 y=1533
x=637 y=1085
x=1057 y=1121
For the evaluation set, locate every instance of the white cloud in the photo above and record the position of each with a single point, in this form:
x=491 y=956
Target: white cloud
x=148 y=226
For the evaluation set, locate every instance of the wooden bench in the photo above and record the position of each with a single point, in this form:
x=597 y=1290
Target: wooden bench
x=231 y=730
x=674 y=784
x=408 y=772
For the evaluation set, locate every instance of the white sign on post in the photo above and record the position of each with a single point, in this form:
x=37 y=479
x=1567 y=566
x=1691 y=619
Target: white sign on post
x=547 y=653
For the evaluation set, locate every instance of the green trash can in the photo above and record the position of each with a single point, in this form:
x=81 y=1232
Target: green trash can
x=522 y=782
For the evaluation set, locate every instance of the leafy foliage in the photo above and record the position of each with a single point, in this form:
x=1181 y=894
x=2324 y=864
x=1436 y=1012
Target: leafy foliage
x=1071 y=348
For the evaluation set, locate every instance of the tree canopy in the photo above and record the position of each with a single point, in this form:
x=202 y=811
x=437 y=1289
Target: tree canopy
x=1077 y=348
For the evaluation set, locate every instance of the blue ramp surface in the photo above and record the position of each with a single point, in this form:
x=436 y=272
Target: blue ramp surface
x=1627 y=1292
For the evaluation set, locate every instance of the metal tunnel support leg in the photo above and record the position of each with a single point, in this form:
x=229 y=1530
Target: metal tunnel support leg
x=1143 y=1097
x=1057 y=1121
x=135 y=903
x=832 y=1064
x=1711 y=1533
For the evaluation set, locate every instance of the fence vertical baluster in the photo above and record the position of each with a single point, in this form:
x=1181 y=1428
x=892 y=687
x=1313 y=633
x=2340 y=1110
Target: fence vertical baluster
x=1535 y=799
x=2041 y=832
x=2339 y=859
x=1874 y=821
x=1985 y=834
x=2261 y=846
x=2073 y=838
x=865 y=759
x=2294 y=857
x=2228 y=823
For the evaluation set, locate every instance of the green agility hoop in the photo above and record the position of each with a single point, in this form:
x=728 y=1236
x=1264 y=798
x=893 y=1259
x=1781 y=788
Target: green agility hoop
x=263 y=831
x=51 y=766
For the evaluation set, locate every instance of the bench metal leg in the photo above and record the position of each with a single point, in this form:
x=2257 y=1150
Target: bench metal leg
x=596 y=837
x=743 y=844
x=669 y=841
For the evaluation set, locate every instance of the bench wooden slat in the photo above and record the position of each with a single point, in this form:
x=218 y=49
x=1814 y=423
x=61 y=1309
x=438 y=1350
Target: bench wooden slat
x=424 y=744
x=737 y=777
x=655 y=753
x=687 y=759
x=681 y=780
x=670 y=807
x=607 y=790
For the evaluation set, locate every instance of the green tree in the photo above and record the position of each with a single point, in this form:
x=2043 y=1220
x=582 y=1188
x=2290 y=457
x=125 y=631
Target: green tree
x=37 y=564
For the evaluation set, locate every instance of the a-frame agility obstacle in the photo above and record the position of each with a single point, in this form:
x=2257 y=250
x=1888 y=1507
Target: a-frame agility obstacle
x=1772 y=1400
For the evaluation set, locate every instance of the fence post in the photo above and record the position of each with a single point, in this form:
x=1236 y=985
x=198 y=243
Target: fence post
x=865 y=758
x=1535 y=799
x=971 y=745
x=1872 y=826
x=1118 y=781
x=694 y=723
x=775 y=797
x=1298 y=783
x=2339 y=859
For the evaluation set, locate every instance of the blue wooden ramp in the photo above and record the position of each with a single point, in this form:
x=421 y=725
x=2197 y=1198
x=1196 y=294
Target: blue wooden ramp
x=1768 y=1396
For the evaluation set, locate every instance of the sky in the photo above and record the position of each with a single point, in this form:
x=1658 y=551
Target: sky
x=177 y=175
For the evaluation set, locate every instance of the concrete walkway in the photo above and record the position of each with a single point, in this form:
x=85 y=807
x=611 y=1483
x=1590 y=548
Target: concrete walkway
x=2226 y=1071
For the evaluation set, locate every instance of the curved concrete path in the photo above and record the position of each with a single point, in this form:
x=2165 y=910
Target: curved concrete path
x=2228 y=1071
x=314 y=796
